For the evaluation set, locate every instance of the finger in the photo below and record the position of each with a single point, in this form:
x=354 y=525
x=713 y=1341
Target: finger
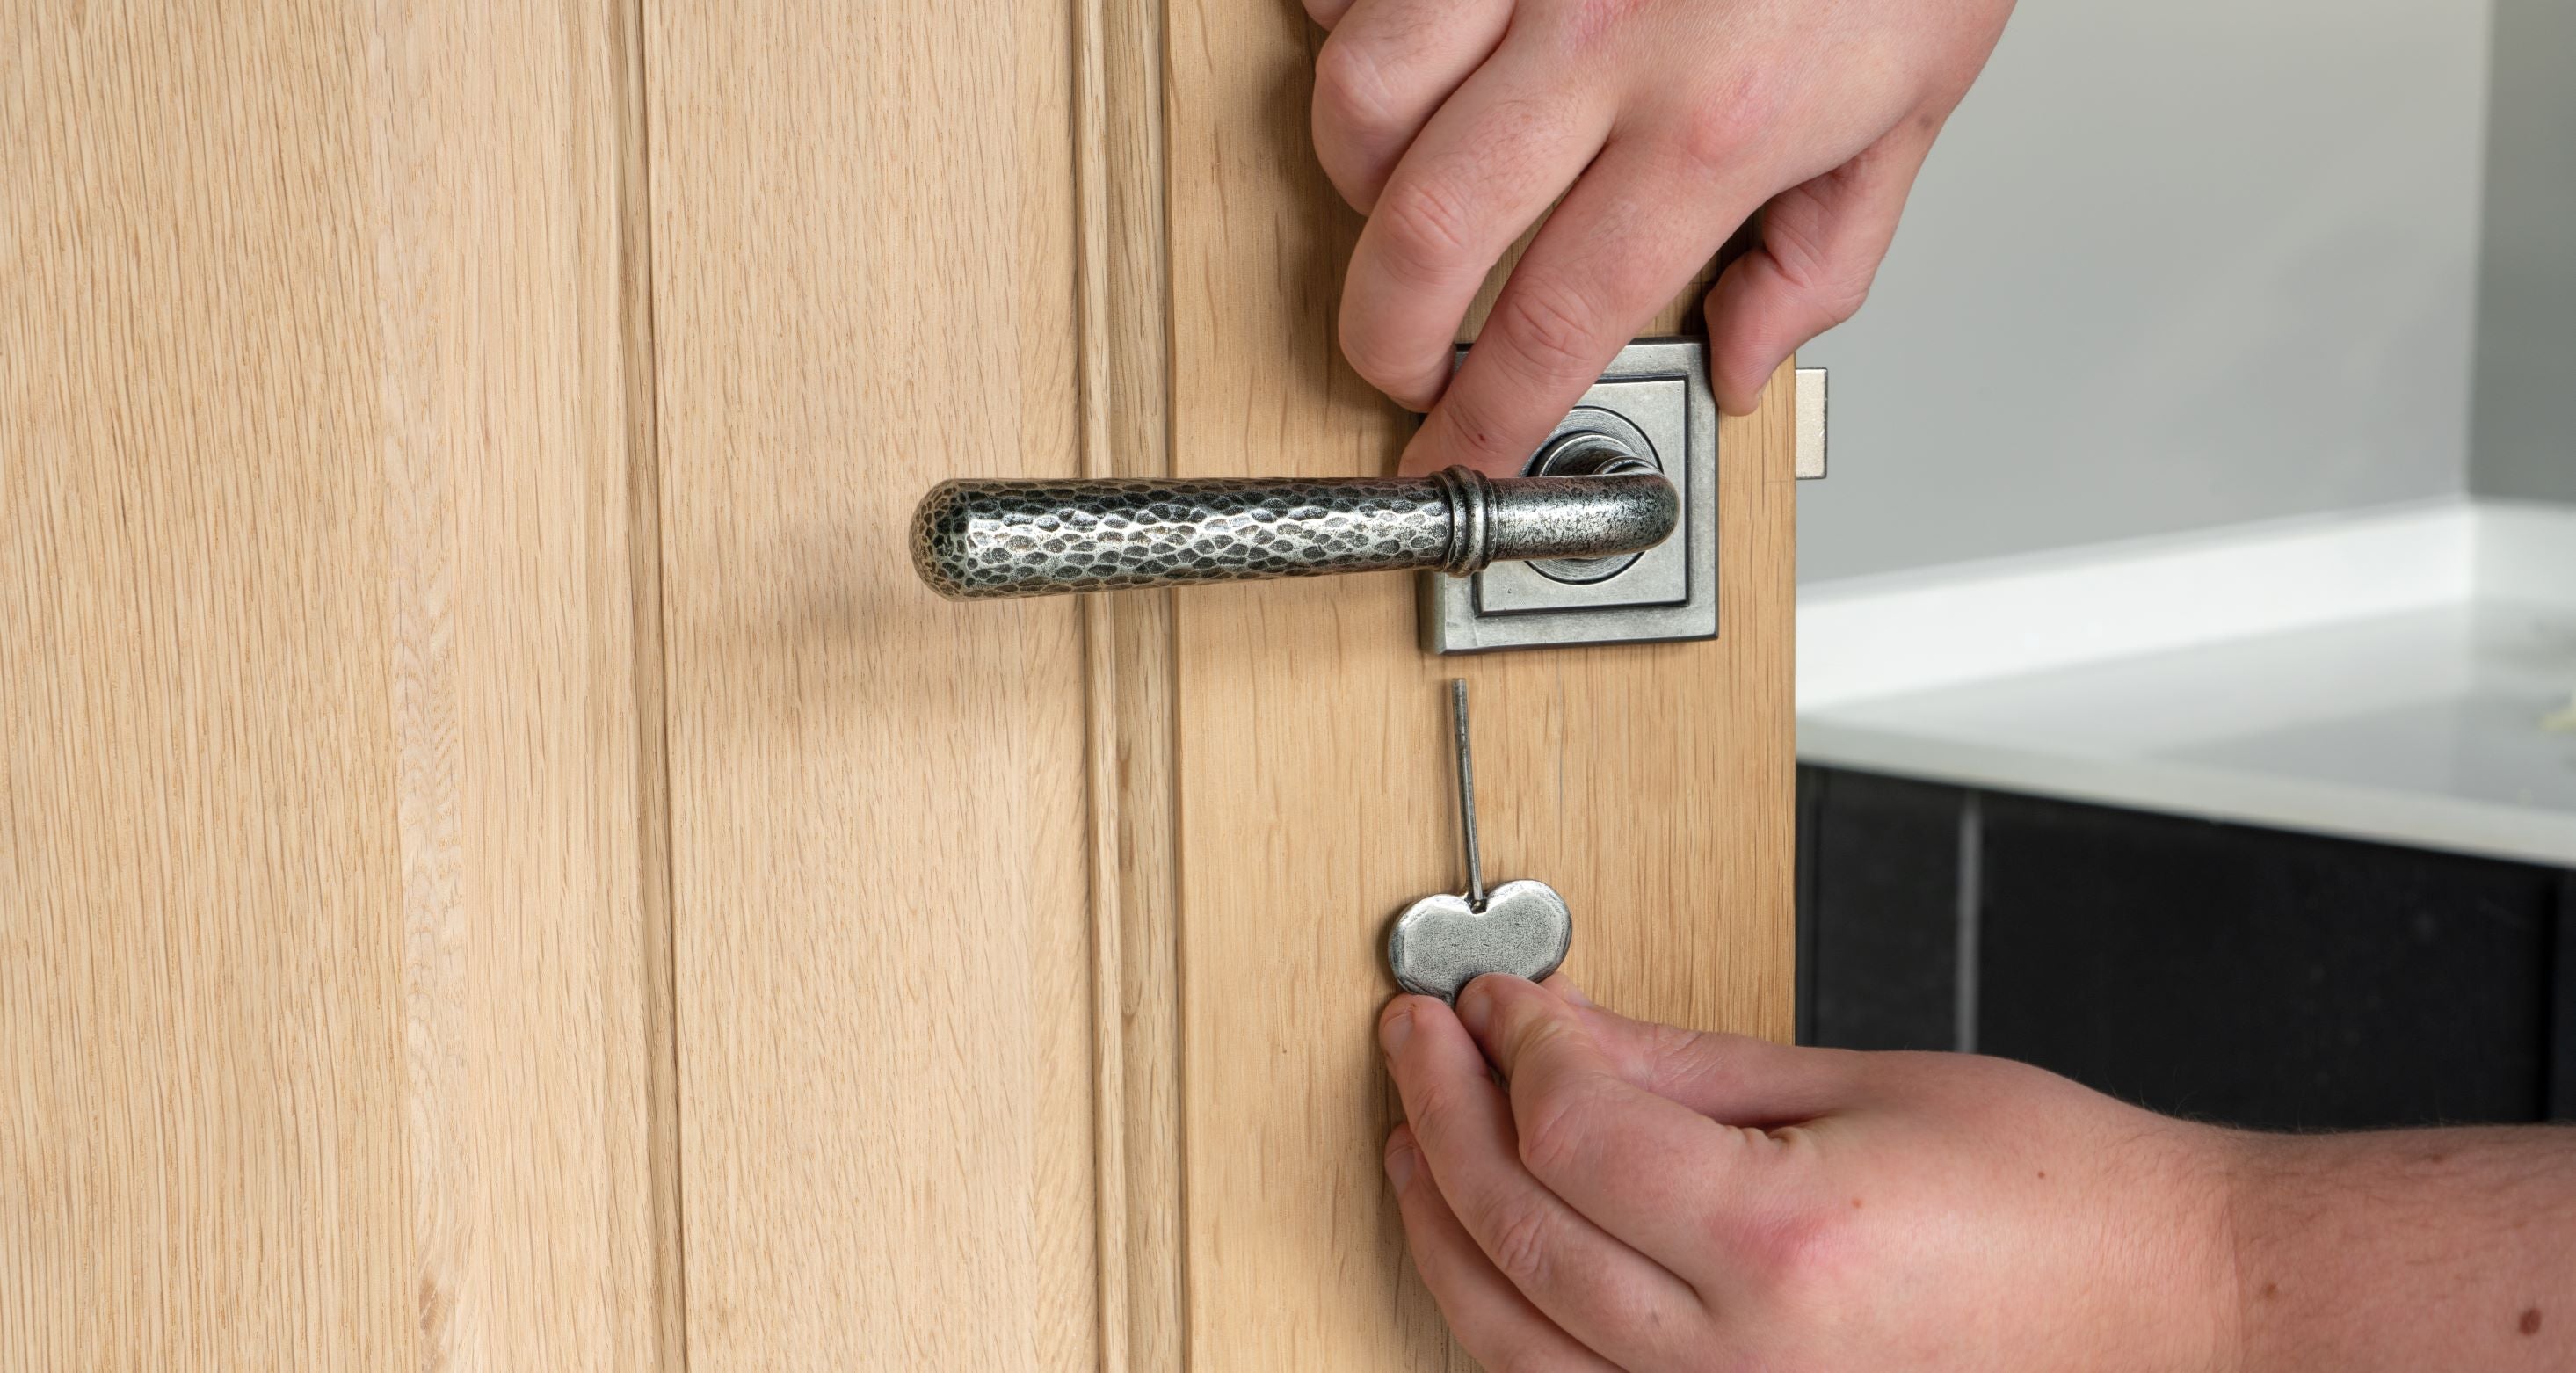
x=1595 y=1288
x=1822 y=241
x=1386 y=69
x=1652 y=1172
x=1327 y=13
x=1492 y=1320
x=1482 y=171
x=1620 y=246
x=1734 y=1079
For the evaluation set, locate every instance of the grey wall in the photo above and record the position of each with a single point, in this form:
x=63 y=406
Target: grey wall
x=2172 y=265
x=2523 y=431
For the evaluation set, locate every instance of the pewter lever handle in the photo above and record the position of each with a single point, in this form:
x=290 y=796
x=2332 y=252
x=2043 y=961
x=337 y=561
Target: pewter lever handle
x=978 y=539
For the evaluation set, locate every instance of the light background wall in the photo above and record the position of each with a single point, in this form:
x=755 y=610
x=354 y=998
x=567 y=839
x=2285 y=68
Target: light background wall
x=2171 y=266
x=2522 y=435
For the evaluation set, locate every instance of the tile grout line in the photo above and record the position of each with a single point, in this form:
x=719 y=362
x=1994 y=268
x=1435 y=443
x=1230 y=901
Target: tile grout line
x=1971 y=907
x=2558 y=1054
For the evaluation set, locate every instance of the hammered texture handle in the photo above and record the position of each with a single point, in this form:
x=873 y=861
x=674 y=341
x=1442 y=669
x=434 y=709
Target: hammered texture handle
x=976 y=539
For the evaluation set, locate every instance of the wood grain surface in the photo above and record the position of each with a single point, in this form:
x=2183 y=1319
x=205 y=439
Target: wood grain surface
x=330 y=980
x=865 y=227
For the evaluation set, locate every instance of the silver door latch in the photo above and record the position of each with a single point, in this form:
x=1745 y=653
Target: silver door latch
x=1811 y=424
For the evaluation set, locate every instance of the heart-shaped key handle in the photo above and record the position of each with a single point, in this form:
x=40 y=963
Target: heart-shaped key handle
x=1443 y=942
x=1440 y=943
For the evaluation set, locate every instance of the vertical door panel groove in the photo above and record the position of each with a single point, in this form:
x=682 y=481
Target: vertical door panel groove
x=1125 y=319
x=659 y=976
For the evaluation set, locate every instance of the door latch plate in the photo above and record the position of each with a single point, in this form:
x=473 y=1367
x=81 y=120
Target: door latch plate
x=1654 y=401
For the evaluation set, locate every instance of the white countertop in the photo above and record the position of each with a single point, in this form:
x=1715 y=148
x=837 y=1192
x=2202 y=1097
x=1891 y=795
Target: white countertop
x=2398 y=676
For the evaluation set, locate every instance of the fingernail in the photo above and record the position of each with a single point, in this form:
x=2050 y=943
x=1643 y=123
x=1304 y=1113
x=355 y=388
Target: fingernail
x=1401 y=1161
x=1476 y=1006
x=1565 y=988
x=1396 y=1028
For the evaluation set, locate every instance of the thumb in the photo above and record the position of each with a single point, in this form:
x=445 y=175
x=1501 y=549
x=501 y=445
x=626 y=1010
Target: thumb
x=1735 y=1079
x=1820 y=249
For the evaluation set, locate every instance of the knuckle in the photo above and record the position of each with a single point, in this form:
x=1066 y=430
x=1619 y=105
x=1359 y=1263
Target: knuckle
x=1428 y=1110
x=1525 y=1237
x=1831 y=296
x=1553 y=1142
x=1674 y=1045
x=1842 y=299
x=1799 y=1256
x=1839 y=286
x=1351 y=87
x=1719 y=132
x=1674 y=1054
x=1427 y=226
x=1834 y=288
x=1552 y=330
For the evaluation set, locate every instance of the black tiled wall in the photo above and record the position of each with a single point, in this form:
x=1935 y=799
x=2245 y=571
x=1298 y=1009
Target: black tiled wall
x=2222 y=971
x=1882 y=858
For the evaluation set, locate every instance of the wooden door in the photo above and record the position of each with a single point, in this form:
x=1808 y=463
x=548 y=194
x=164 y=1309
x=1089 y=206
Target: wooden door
x=333 y=920
x=501 y=864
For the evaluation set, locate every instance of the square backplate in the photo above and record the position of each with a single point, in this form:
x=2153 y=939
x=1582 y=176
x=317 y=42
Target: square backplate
x=1657 y=390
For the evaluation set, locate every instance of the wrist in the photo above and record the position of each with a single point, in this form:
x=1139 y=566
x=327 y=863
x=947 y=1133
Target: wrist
x=2289 y=1249
x=2212 y=1197
x=2186 y=1273
x=2230 y=1160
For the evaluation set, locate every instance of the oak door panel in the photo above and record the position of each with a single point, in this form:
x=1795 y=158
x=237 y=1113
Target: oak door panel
x=863 y=283
x=331 y=983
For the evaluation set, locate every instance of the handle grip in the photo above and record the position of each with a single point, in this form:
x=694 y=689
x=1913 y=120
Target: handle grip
x=980 y=539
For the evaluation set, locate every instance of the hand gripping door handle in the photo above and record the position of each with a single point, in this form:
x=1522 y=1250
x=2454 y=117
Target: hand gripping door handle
x=982 y=539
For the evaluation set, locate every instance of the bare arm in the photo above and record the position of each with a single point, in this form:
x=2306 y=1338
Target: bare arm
x=1644 y=1198
x=2406 y=1250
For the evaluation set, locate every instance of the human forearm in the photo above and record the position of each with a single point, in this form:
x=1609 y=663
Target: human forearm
x=1645 y=1199
x=2411 y=1250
